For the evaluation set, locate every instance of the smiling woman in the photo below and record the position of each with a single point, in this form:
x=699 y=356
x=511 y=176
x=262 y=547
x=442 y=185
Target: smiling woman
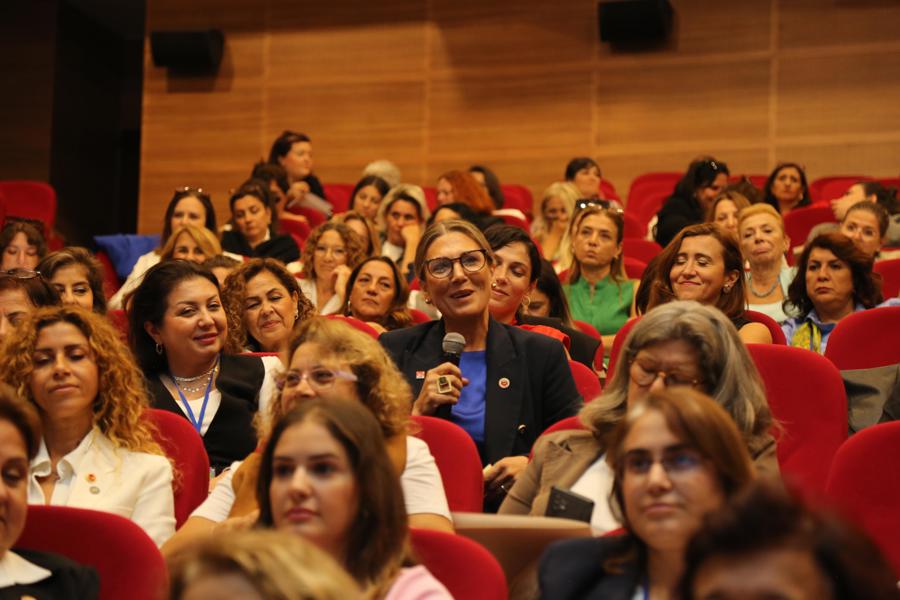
x=378 y=294
x=331 y=252
x=251 y=212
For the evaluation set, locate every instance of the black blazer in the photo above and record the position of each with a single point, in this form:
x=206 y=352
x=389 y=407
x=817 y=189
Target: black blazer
x=68 y=579
x=573 y=570
x=540 y=388
x=278 y=246
x=676 y=214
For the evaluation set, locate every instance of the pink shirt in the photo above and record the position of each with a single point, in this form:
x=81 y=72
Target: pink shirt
x=416 y=583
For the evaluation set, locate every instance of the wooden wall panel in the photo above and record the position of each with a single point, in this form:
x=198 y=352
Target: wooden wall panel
x=870 y=157
x=844 y=23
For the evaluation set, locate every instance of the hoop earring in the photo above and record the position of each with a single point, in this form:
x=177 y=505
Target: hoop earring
x=526 y=301
x=159 y=348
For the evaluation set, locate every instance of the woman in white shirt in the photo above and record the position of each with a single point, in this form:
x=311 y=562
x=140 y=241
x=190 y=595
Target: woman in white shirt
x=331 y=252
x=97 y=451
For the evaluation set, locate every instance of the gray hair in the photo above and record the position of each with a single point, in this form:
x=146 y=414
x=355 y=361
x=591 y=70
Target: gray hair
x=731 y=376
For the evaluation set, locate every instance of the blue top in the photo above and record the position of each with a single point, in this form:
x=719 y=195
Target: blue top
x=468 y=413
x=791 y=327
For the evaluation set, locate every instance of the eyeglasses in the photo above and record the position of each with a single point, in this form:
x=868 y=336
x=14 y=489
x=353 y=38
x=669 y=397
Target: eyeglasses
x=471 y=261
x=318 y=379
x=675 y=461
x=644 y=377
x=21 y=274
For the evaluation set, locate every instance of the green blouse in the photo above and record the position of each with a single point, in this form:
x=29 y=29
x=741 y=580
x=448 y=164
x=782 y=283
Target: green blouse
x=606 y=305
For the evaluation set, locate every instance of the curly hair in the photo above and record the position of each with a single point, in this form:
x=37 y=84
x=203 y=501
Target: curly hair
x=353 y=245
x=233 y=296
x=203 y=237
x=75 y=255
x=467 y=190
x=121 y=392
x=866 y=284
x=380 y=385
x=398 y=315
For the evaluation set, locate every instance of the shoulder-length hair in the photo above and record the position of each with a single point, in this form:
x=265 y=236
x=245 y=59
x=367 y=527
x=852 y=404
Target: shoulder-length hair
x=569 y=195
x=436 y=230
x=770 y=198
x=738 y=199
x=93 y=269
x=730 y=376
x=352 y=244
x=121 y=393
x=701 y=173
x=373 y=244
x=617 y=266
x=398 y=315
x=377 y=541
x=149 y=304
x=491 y=183
x=178 y=196
x=548 y=283
x=467 y=190
x=33 y=235
x=203 y=237
x=375 y=181
x=22 y=415
x=732 y=302
x=234 y=294
x=866 y=284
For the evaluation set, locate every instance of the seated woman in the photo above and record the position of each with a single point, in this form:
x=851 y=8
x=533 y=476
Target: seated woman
x=725 y=208
x=584 y=174
x=694 y=193
x=401 y=217
x=331 y=252
x=354 y=512
x=98 y=451
x=258 y=565
x=490 y=182
x=77 y=276
x=367 y=195
x=551 y=223
x=764 y=245
x=786 y=188
x=509 y=385
x=548 y=299
x=188 y=206
x=21 y=292
x=377 y=294
x=192 y=243
x=364 y=228
x=221 y=266
x=293 y=151
x=264 y=304
x=460 y=186
x=459 y=210
x=675 y=457
x=598 y=290
x=876 y=192
x=22 y=246
x=703 y=263
x=513 y=285
x=254 y=234
x=30 y=573
x=329 y=360
x=834 y=279
x=678 y=344
x=276 y=178
x=177 y=329
x=866 y=223
x=764 y=543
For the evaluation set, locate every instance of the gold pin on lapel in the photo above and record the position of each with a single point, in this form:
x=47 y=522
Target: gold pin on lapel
x=503 y=383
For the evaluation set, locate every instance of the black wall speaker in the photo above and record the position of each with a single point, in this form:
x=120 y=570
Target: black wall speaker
x=635 y=21
x=188 y=51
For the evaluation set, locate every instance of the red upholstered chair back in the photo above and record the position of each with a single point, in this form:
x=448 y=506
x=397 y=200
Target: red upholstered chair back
x=339 y=195
x=111 y=283
x=865 y=340
x=799 y=222
x=419 y=316
x=119 y=319
x=127 y=560
x=457 y=460
x=314 y=217
x=770 y=323
x=806 y=395
x=643 y=250
x=32 y=200
x=184 y=446
x=585 y=380
x=825 y=189
x=890 y=277
x=608 y=191
x=588 y=329
x=518 y=196
x=464 y=566
x=297 y=229
x=618 y=343
x=354 y=322
x=865 y=482
x=647 y=194
x=634 y=268
x=633 y=227
x=515 y=222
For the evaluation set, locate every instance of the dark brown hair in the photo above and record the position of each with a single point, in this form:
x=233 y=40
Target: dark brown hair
x=75 y=255
x=22 y=415
x=398 y=315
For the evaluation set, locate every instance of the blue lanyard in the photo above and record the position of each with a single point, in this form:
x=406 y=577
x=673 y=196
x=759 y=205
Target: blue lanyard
x=197 y=423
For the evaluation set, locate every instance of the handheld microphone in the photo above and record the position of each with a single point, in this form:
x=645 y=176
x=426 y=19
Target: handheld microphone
x=452 y=346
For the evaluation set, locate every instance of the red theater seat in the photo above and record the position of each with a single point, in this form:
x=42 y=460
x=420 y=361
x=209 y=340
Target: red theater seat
x=466 y=568
x=457 y=460
x=866 y=339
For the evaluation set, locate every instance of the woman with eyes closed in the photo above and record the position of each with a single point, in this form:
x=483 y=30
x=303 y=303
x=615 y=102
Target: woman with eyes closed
x=548 y=298
x=263 y=303
x=510 y=384
x=764 y=244
x=368 y=194
x=725 y=209
x=680 y=344
x=378 y=295
x=551 y=224
x=331 y=253
x=834 y=279
x=177 y=330
x=77 y=276
x=675 y=457
x=254 y=233
x=98 y=451
x=22 y=246
x=786 y=188
x=188 y=206
x=21 y=292
x=704 y=263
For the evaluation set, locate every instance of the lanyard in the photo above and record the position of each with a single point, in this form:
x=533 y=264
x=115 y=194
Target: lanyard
x=197 y=423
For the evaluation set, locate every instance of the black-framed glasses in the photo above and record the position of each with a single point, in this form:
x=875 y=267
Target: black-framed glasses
x=644 y=377
x=23 y=274
x=471 y=261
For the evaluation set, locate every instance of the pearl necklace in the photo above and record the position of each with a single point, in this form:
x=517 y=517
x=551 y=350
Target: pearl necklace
x=757 y=294
x=203 y=380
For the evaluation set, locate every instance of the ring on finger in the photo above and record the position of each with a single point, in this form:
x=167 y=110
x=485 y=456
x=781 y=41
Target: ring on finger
x=443 y=385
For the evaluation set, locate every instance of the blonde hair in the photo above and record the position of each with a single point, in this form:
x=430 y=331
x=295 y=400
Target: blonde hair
x=121 y=393
x=279 y=565
x=569 y=194
x=760 y=209
x=202 y=236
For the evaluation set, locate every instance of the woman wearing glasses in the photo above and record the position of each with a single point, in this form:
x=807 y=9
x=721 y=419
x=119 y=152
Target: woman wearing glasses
x=598 y=290
x=331 y=252
x=329 y=359
x=675 y=457
x=509 y=384
x=693 y=195
x=678 y=344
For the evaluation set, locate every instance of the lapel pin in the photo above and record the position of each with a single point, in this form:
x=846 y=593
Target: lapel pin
x=420 y=374
x=95 y=490
x=91 y=478
x=503 y=383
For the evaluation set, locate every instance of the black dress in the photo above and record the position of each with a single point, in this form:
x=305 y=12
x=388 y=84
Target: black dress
x=68 y=579
x=278 y=246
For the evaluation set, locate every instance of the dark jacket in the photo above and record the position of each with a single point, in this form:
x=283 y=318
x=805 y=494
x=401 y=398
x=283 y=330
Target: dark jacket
x=676 y=214
x=278 y=246
x=574 y=570
x=68 y=580
x=529 y=384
